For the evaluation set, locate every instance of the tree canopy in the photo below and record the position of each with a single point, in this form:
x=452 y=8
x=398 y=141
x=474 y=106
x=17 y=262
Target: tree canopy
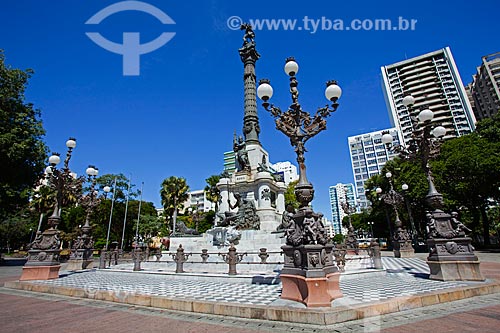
x=22 y=150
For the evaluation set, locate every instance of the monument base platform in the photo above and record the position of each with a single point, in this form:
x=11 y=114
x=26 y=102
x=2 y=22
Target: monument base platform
x=313 y=292
x=79 y=264
x=455 y=270
x=40 y=273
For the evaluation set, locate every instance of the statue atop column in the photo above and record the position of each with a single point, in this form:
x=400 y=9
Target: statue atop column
x=240 y=150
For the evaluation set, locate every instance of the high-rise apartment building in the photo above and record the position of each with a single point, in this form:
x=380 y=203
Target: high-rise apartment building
x=368 y=157
x=433 y=80
x=484 y=91
x=338 y=194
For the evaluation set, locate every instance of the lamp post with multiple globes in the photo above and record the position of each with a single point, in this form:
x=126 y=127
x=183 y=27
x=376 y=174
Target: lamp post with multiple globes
x=43 y=254
x=451 y=256
x=308 y=258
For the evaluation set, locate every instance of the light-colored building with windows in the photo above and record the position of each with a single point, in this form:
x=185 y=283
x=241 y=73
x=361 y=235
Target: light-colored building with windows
x=484 y=91
x=368 y=157
x=338 y=194
x=289 y=171
x=433 y=80
x=230 y=162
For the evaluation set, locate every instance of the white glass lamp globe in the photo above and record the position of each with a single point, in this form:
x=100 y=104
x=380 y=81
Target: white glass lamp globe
x=333 y=92
x=48 y=170
x=378 y=190
x=408 y=100
x=54 y=159
x=386 y=138
x=106 y=189
x=89 y=171
x=291 y=67
x=388 y=175
x=71 y=143
x=425 y=115
x=265 y=91
x=404 y=187
x=439 y=131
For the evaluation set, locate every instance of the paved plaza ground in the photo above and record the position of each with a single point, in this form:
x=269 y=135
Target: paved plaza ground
x=22 y=311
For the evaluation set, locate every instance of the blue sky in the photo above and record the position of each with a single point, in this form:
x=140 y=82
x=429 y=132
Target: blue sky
x=178 y=116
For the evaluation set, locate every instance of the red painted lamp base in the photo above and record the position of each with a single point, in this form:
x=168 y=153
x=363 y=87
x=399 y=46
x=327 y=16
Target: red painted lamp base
x=40 y=273
x=313 y=292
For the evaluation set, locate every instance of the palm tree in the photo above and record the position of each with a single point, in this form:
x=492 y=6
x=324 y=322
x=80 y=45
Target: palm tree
x=174 y=192
x=211 y=190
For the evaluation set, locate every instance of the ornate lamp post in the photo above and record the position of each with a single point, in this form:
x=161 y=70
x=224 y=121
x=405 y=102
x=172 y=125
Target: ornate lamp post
x=43 y=256
x=107 y=189
x=352 y=239
x=414 y=232
x=83 y=247
x=401 y=239
x=451 y=255
x=370 y=223
x=308 y=258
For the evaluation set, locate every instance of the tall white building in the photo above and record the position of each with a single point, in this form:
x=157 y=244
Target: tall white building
x=433 y=80
x=338 y=194
x=368 y=157
x=289 y=171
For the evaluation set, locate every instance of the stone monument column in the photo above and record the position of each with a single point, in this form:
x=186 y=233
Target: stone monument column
x=249 y=57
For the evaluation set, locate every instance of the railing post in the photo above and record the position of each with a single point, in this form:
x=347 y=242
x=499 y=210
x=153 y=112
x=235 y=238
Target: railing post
x=232 y=258
x=204 y=255
x=137 y=257
x=102 y=258
x=180 y=258
x=375 y=255
x=263 y=255
x=158 y=254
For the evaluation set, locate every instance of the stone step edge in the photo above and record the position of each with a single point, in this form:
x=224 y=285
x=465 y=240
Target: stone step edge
x=316 y=316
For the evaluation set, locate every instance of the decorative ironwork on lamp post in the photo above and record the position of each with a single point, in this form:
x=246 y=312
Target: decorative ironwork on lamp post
x=401 y=238
x=307 y=254
x=84 y=244
x=451 y=255
x=351 y=239
x=43 y=254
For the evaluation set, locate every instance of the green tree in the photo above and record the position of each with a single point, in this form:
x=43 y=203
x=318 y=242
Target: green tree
x=468 y=172
x=174 y=192
x=211 y=190
x=290 y=198
x=22 y=150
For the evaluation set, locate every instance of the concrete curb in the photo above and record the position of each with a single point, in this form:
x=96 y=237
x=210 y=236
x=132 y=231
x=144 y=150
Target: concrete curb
x=317 y=316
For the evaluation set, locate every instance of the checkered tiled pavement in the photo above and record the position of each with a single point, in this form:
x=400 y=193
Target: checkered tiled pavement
x=405 y=277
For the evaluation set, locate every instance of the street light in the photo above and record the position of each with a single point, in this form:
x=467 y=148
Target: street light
x=371 y=228
x=84 y=244
x=405 y=188
x=308 y=237
x=107 y=189
x=43 y=255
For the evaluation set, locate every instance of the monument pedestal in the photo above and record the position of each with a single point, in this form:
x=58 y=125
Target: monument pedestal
x=452 y=259
x=81 y=259
x=403 y=249
x=309 y=275
x=40 y=273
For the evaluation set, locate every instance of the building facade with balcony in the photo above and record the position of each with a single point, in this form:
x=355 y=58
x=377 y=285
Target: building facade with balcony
x=484 y=90
x=434 y=81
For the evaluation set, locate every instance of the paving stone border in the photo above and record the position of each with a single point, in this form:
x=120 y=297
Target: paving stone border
x=317 y=316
